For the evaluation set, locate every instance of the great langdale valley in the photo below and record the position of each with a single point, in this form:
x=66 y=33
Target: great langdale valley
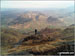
x=37 y=31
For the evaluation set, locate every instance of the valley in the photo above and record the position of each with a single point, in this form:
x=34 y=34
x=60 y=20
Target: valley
x=33 y=31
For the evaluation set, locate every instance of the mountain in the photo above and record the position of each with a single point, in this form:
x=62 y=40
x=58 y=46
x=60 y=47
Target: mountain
x=8 y=15
x=47 y=41
x=55 y=28
x=32 y=20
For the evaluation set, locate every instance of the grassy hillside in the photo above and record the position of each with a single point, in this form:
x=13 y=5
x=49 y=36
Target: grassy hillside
x=10 y=36
x=46 y=41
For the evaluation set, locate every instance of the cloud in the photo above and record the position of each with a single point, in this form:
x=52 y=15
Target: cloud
x=36 y=4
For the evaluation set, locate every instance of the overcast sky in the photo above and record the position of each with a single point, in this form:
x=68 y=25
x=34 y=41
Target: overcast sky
x=36 y=4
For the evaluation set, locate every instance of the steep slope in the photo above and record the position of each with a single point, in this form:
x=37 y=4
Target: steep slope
x=9 y=37
x=70 y=32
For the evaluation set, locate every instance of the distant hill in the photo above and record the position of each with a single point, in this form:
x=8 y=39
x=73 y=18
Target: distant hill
x=32 y=20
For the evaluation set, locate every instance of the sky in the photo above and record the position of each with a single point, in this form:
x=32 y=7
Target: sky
x=36 y=4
